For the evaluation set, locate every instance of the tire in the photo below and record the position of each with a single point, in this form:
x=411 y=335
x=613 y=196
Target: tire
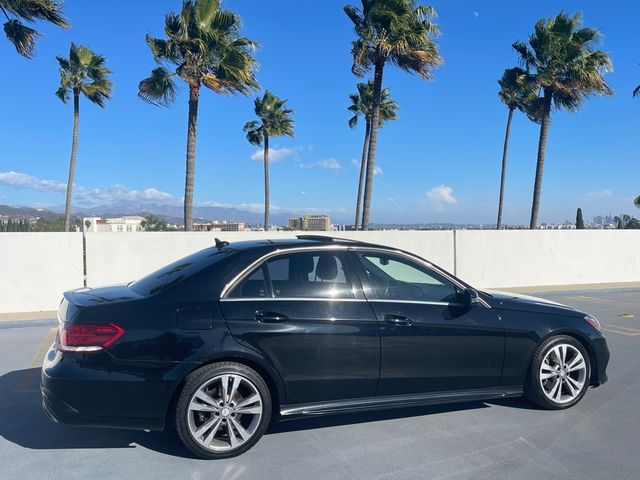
x=214 y=421
x=548 y=368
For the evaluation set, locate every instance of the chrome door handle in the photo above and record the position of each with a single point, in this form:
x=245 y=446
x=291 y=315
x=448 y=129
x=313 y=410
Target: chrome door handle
x=397 y=319
x=270 y=317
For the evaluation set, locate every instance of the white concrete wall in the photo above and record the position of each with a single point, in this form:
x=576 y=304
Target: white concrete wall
x=37 y=268
x=522 y=258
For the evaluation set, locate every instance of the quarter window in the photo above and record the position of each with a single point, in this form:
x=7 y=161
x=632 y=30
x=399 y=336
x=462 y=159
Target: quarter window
x=394 y=278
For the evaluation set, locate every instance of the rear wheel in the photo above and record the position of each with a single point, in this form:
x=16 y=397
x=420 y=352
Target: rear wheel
x=223 y=410
x=559 y=374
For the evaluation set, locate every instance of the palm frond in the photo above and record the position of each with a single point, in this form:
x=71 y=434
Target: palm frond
x=636 y=91
x=31 y=10
x=159 y=88
x=22 y=37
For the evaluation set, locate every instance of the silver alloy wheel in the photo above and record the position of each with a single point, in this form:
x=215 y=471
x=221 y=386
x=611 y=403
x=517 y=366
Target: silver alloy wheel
x=563 y=373
x=224 y=412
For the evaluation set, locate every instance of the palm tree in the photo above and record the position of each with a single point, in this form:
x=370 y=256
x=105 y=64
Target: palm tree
x=22 y=36
x=362 y=105
x=204 y=45
x=84 y=72
x=395 y=31
x=516 y=91
x=561 y=60
x=274 y=121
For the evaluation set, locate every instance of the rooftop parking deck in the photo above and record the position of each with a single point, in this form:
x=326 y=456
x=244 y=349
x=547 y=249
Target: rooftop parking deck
x=597 y=439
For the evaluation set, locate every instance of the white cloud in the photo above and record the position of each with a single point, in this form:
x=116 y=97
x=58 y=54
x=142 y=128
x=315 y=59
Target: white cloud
x=24 y=180
x=276 y=154
x=122 y=195
x=442 y=195
x=377 y=171
x=88 y=196
x=330 y=163
x=355 y=163
x=476 y=14
x=605 y=192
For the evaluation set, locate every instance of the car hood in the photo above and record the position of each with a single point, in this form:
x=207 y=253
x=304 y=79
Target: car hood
x=84 y=297
x=516 y=301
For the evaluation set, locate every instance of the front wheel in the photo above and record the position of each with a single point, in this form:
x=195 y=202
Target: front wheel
x=223 y=410
x=559 y=373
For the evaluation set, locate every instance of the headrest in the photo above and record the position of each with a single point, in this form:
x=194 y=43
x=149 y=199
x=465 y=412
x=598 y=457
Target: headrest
x=303 y=263
x=327 y=268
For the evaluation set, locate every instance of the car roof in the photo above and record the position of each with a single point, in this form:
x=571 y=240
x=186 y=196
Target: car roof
x=299 y=241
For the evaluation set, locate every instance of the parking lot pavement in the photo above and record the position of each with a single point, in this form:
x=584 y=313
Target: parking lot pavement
x=597 y=439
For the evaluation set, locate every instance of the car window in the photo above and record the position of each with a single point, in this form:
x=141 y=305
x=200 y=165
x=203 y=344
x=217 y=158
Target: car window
x=394 y=278
x=309 y=274
x=174 y=273
x=299 y=275
x=254 y=286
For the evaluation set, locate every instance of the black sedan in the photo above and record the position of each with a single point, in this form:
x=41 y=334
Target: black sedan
x=216 y=344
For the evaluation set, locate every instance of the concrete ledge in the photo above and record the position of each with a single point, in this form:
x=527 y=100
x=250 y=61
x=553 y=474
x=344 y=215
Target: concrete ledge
x=568 y=288
x=12 y=317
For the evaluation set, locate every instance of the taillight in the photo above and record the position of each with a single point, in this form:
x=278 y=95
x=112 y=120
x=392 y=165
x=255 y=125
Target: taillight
x=87 y=337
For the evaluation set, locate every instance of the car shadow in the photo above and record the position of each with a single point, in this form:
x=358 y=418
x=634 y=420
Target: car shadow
x=24 y=423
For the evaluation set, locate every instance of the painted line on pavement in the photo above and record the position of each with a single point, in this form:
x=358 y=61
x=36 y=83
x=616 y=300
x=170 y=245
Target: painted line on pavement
x=44 y=348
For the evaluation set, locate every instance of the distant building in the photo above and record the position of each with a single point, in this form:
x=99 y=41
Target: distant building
x=217 y=226
x=314 y=223
x=129 y=223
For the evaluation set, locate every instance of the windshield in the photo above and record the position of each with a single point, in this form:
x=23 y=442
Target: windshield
x=174 y=273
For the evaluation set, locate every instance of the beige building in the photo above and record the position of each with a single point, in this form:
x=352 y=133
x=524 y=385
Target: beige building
x=217 y=226
x=311 y=223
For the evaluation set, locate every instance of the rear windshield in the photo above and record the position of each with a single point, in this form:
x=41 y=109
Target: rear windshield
x=174 y=273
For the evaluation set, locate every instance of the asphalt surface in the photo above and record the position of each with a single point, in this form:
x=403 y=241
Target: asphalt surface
x=597 y=439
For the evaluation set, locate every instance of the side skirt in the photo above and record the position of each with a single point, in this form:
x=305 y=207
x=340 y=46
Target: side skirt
x=399 y=401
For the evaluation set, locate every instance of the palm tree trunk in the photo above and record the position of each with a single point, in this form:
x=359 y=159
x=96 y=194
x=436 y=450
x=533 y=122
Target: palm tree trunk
x=373 y=142
x=266 y=182
x=72 y=162
x=194 y=94
x=363 y=168
x=503 y=175
x=542 y=148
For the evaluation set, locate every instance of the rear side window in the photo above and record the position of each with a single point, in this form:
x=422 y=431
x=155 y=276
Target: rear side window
x=177 y=271
x=298 y=275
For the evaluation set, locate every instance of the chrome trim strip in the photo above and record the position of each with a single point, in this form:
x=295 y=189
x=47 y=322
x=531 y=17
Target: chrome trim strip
x=371 y=403
x=291 y=299
x=419 y=302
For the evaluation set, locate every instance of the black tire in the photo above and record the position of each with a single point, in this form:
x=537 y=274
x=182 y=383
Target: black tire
x=199 y=377
x=533 y=388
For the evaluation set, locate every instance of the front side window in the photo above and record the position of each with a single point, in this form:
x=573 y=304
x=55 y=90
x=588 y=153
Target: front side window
x=393 y=278
x=298 y=275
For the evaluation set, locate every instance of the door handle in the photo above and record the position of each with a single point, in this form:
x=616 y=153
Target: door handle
x=270 y=317
x=395 y=319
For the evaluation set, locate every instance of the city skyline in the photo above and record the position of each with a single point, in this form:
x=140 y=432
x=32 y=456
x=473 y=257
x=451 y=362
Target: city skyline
x=438 y=163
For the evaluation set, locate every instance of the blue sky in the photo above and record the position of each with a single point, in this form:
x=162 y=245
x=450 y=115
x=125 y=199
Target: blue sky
x=439 y=162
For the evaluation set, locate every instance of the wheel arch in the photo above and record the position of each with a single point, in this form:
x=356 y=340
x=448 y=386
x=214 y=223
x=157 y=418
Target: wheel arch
x=580 y=337
x=269 y=374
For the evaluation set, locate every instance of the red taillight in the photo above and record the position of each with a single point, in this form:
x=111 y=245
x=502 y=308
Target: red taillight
x=87 y=337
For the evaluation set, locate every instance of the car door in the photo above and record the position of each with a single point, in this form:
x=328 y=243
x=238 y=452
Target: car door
x=300 y=310
x=429 y=340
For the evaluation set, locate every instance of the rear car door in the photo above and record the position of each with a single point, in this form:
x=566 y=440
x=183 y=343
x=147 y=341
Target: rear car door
x=429 y=340
x=301 y=310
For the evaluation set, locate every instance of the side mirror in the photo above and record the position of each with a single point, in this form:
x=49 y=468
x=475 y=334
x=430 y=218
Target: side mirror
x=471 y=298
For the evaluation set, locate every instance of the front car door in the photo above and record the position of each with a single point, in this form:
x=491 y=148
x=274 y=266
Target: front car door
x=301 y=310
x=429 y=341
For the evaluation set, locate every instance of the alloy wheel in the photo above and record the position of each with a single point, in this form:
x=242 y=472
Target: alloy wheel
x=224 y=412
x=563 y=373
